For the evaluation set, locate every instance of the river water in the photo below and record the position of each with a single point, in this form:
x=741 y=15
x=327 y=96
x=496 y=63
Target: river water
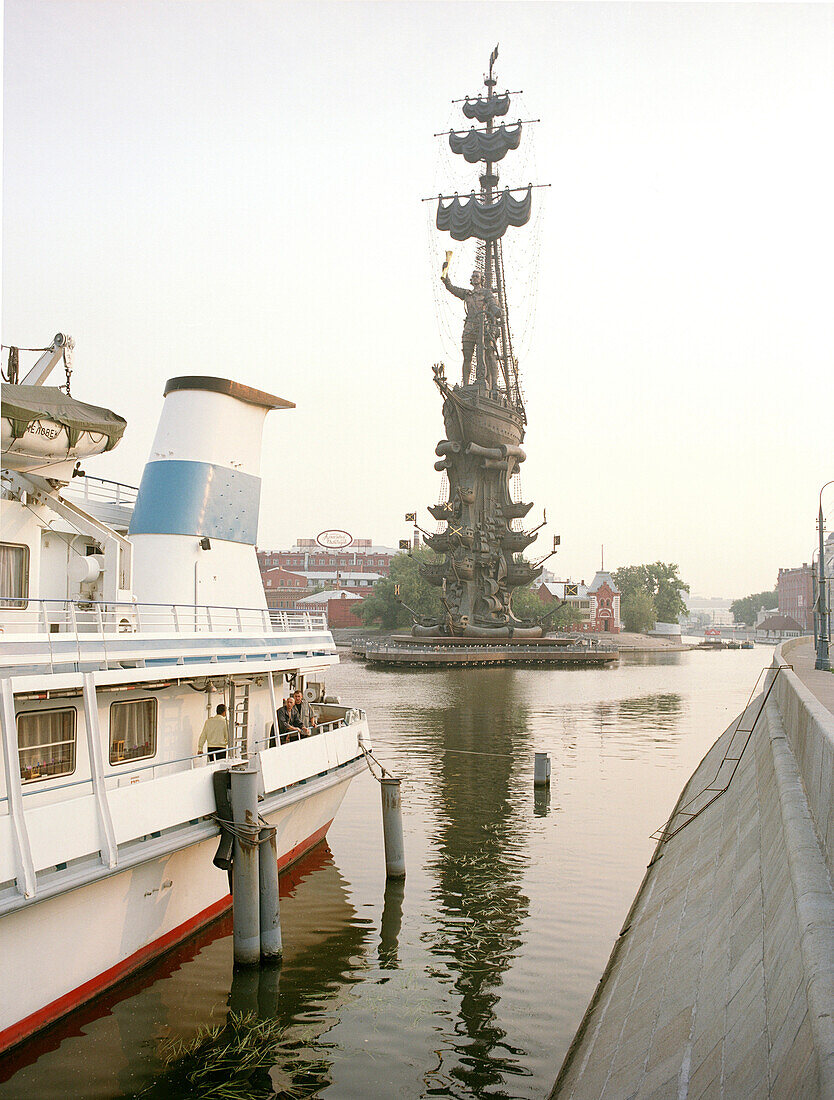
x=469 y=979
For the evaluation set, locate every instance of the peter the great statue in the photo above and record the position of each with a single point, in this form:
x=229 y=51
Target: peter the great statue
x=484 y=414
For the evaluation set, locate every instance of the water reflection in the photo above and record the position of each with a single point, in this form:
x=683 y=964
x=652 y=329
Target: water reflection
x=391 y=923
x=660 y=711
x=482 y=743
x=640 y=718
x=325 y=947
x=541 y=801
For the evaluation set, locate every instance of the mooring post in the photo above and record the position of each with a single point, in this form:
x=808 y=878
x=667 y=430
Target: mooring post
x=392 y=827
x=541 y=770
x=271 y=948
x=245 y=879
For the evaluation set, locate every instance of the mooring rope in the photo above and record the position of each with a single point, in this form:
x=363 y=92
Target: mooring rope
x=243 y=831
x=369 y=756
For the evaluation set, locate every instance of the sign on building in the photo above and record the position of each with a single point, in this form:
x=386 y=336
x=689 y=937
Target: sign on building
x=334 y=539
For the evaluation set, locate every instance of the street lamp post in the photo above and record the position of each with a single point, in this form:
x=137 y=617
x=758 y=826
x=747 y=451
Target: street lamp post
x=823 y=663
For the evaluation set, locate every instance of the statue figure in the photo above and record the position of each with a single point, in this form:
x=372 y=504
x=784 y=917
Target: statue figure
x=482 y=311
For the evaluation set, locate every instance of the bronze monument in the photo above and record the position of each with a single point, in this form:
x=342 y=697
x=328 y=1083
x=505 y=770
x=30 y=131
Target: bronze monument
x=483 y=415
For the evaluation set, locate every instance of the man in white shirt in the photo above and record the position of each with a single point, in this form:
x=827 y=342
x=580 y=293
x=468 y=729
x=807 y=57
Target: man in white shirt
x=215 y=735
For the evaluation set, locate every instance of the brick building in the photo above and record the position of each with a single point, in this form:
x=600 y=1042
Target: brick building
x=795 y=590
x=339 y=607
x=597 y=604
x=291 y=575
x=308 y=558
x=283 y=589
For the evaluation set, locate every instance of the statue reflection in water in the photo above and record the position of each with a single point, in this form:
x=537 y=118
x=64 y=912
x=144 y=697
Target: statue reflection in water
x=484 y=749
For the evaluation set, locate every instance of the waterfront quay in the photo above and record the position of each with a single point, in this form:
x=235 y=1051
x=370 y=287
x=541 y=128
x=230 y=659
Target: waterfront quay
x=721 y=982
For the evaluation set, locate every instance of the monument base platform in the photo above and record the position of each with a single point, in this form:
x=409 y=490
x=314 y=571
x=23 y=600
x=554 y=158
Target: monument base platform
x=406 y=650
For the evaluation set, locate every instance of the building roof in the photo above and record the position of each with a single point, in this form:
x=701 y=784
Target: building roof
x=279 y=571
x=318 y=598
x=602 y=578
x=557 y=589
x=779 y=622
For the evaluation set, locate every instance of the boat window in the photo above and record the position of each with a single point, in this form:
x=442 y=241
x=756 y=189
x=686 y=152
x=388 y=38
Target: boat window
x=46 y=743
x=14 y=574
x=132 y=730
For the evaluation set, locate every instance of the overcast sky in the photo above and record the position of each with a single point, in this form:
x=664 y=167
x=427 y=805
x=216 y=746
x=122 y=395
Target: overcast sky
x=234 y=189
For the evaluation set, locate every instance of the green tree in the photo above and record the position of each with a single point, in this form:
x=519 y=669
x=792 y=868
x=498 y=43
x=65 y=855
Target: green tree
x=526 y=604
x=660 y=582
x=746 y=609
x=386 y=608
x=637 y=611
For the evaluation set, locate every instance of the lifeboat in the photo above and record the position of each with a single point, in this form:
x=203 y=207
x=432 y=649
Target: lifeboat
x=42 y=426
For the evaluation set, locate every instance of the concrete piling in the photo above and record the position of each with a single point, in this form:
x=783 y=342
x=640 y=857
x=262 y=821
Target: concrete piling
x=270 y=906
x=392 y=828
x=541 y=770
x=245 y=877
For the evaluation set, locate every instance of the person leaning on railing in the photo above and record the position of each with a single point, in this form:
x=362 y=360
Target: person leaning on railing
x=304 y=714
x=215 y=735
x=288 y=730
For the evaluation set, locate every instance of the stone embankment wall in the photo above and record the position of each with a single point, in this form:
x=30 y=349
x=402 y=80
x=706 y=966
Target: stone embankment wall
x=809 y=727
x=721 y=983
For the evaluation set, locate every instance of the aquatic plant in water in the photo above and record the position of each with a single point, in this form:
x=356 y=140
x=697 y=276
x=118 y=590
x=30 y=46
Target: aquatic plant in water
x=245 y=1058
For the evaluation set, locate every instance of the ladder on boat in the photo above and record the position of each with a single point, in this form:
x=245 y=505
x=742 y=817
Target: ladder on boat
x=240 y=720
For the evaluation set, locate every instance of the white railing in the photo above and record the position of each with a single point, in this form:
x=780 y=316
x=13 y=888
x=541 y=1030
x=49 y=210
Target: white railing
x=99 y=490
x=82 y=618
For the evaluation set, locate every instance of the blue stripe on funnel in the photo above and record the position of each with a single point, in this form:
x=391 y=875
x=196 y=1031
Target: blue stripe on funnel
x=197 y=498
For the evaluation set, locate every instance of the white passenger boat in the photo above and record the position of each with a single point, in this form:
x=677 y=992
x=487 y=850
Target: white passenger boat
x=125 y=618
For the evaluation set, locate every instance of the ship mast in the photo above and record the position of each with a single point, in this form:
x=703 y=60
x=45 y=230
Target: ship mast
x=487 y=215
x=493 y=260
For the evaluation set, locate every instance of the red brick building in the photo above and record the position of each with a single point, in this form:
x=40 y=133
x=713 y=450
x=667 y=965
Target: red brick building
x=283 y=589
x=795 y=589
x=597 y=605
x=307 y=557
x=339 y=607
x=605 y=609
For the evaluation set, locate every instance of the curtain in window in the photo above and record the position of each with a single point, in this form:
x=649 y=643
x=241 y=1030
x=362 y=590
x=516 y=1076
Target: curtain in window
x=13 y=574
x=132 y=730
x=46 y=743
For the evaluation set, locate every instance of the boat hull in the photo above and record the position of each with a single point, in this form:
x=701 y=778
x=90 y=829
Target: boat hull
x=54 y=963
x=471 y=417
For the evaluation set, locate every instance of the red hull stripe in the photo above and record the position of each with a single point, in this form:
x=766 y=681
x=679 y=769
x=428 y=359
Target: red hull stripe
x=60 y=1007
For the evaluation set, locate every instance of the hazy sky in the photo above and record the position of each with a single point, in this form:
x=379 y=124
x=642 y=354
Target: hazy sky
x=234 y=189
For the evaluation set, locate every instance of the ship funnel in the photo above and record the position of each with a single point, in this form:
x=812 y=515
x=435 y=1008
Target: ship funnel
x=195 y=523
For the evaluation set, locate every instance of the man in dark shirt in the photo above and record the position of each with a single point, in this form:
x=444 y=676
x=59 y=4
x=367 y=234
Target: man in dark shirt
x=287 y=728
x=303 y=714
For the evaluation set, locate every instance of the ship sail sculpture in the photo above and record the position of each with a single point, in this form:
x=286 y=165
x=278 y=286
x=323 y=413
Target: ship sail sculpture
x=484 y=415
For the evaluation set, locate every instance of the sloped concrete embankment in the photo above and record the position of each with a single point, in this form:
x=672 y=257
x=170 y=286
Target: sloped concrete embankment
x=721 y=983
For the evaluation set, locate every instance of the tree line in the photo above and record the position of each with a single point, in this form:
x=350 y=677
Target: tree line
x=746 y=609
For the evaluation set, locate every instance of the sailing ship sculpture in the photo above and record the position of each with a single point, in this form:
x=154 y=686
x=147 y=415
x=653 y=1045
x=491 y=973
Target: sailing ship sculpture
x=484 y=414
